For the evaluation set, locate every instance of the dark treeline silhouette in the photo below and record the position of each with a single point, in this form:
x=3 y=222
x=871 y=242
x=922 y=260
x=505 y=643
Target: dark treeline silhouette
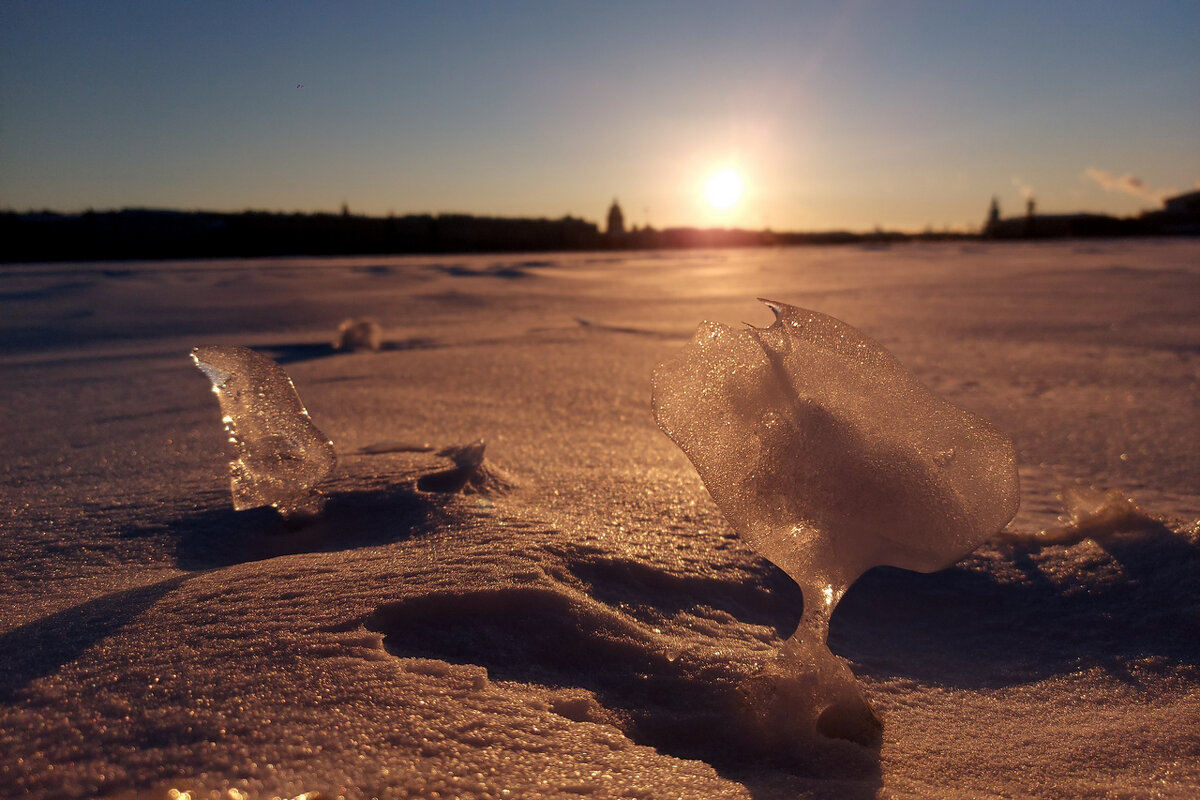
x=1179 y=216
x=141 y=233
x=683 y=238
x=145 y=233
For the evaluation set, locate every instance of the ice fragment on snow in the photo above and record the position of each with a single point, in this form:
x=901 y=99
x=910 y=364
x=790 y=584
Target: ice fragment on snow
x=279 y=455
x=829 y=458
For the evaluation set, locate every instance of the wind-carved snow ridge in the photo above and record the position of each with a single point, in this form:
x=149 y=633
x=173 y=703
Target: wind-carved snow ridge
x=829 y=458
x=279 y=455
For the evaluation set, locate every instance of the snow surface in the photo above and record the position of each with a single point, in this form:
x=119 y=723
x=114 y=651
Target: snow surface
x=586 y=632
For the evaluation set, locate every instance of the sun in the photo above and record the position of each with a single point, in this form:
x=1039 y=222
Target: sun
x=724 y=189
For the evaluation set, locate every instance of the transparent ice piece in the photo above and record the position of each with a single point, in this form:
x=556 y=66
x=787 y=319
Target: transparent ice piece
x=829 y=457
x=279 y=455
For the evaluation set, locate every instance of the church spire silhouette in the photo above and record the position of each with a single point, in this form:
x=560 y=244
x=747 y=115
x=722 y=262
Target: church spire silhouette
x=616 y=220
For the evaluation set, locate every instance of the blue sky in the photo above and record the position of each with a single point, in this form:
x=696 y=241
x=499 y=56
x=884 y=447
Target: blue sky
x=837 y=114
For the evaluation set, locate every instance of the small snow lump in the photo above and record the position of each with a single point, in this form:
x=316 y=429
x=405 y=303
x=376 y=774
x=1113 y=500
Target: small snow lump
x=362 y=333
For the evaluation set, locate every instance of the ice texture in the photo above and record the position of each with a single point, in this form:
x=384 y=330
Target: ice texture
x=829 y=458
x=279 y=455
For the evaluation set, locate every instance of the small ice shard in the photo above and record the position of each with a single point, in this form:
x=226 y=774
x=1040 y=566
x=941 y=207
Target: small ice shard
x=471 y=473
x=279 y=455
x=361 y=333
x=829 y=458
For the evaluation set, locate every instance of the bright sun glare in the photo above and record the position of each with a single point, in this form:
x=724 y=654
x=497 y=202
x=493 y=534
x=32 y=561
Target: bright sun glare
x=724 y=189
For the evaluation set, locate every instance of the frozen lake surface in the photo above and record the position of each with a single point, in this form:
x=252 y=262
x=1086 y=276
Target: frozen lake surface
x=584 y=631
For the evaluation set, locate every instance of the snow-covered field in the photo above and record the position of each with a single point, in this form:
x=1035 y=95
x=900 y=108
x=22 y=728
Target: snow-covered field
x=588 y=632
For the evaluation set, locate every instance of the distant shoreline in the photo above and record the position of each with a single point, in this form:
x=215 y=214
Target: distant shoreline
x=141 y=234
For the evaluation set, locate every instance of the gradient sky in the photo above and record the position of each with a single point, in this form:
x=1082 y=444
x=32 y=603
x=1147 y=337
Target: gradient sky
x=838 y=114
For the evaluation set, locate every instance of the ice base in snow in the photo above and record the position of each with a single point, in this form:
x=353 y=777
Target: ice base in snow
x=829 y=458
x=279 y=455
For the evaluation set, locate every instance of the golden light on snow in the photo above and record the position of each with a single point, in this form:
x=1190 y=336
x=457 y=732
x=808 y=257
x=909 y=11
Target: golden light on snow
x=724 y=189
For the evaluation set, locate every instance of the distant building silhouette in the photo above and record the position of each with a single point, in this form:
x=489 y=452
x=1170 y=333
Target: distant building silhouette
x=616 y=220
x=1179 y=215
x=1055 y=226
x=993 y=218
x=1183 y=204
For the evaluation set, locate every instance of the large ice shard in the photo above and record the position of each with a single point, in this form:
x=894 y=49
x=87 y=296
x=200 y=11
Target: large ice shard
x=829 y=458
x=279 y=455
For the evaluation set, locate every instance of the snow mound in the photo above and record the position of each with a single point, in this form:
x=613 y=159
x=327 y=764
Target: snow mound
x=471 y=473
x=1090 y=513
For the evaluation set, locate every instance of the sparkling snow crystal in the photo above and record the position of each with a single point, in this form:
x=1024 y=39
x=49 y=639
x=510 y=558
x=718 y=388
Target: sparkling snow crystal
x=279 y=454
x=829 y=458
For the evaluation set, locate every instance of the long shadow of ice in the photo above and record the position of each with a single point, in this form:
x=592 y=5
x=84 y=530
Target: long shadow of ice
x=592 y=325
x=500 y=269
x=42 y=647
x=772 y=600
x=592 y=629
x=589 y=628
x=296 y=352
x=220 y=537
x=966 y=627
x=310 y=351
